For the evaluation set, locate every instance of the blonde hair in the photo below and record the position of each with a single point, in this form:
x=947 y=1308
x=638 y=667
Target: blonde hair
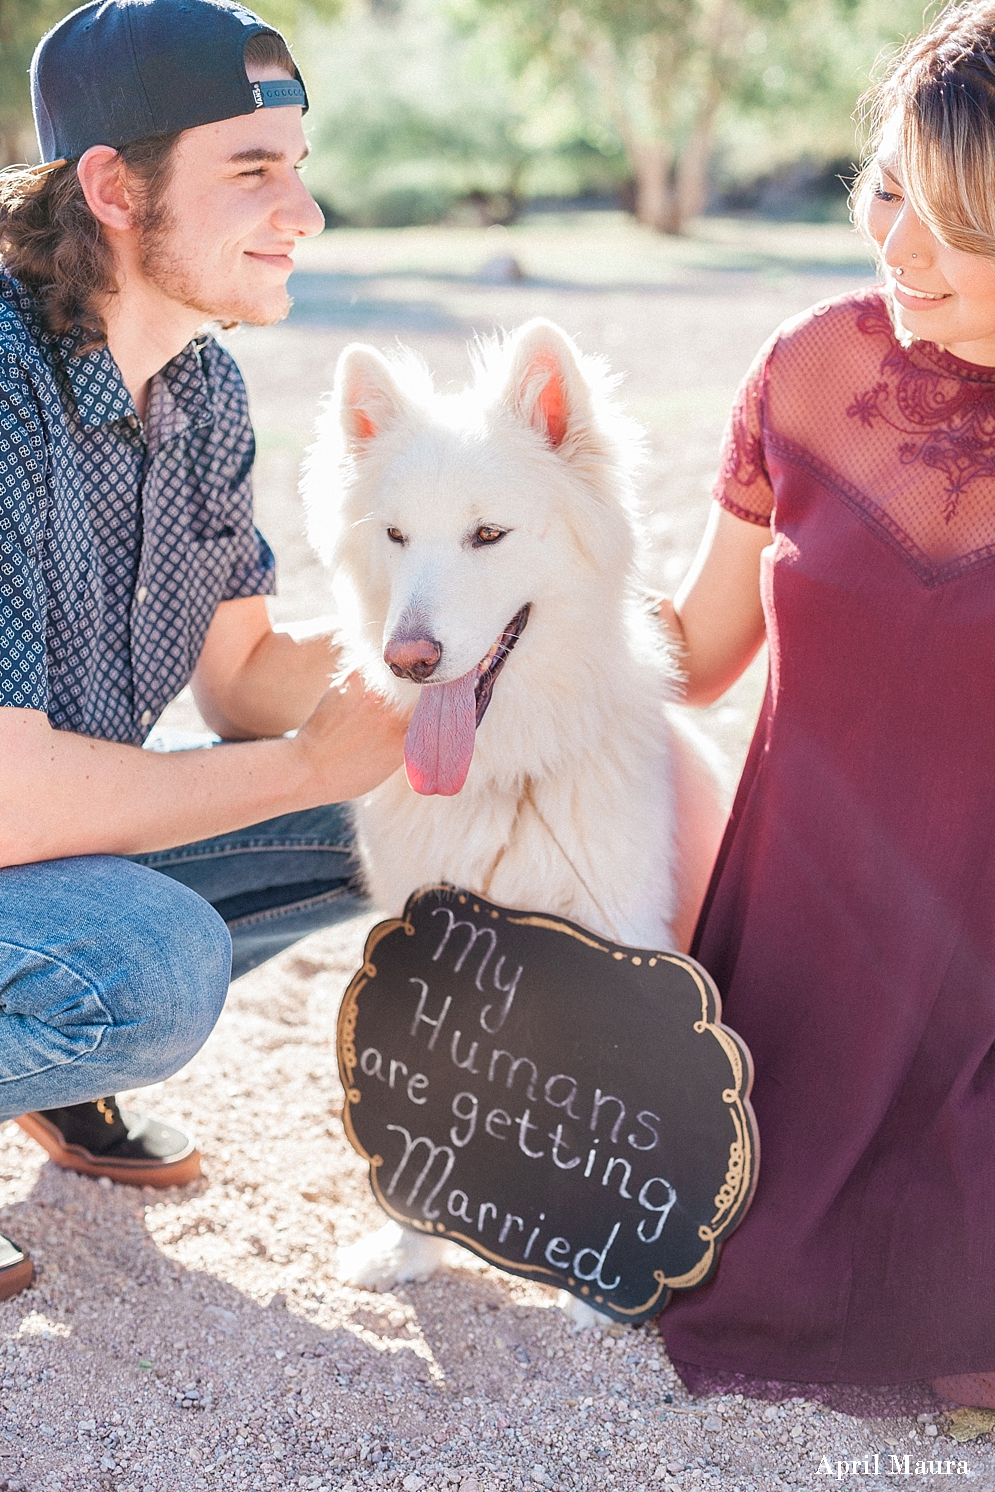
x=939 y=96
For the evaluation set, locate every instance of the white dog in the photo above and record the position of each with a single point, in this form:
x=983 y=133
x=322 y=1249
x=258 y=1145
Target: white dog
x=485 y=550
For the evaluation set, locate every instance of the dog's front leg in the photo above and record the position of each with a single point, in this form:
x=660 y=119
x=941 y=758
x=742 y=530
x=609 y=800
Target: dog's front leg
x=583 y=1316
x=390 y=1256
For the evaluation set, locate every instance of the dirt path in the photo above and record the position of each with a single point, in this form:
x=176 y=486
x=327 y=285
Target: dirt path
x=198 y=1339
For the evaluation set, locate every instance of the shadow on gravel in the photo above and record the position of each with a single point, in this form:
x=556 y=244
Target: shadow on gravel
x=153 y=1358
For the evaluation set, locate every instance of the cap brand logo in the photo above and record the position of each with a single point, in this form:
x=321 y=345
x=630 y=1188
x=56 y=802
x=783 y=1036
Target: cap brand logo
x=257 y=95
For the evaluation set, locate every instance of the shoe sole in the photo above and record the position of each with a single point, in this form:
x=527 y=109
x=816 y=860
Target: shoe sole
x=16 y=1277
x=177 y=1172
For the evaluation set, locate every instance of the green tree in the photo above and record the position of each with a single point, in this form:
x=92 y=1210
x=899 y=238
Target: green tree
x=22 y=24
x=664 y=74
x=418 y=110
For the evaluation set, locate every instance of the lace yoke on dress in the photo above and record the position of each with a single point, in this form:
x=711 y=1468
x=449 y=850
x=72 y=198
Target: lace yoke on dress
x=905 y=435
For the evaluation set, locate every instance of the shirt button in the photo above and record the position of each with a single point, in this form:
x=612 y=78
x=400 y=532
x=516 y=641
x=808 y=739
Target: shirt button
x=142 y=594
x=133 y=421
x=146 y=717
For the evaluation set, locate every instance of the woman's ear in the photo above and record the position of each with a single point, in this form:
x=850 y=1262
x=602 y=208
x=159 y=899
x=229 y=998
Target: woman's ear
x=102 y=175
x=366 y=395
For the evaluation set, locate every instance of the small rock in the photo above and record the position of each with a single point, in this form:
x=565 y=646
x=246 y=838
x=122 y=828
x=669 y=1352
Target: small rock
x=503 y=269
x=105 y=1182
x=931 y=1430
x=965 y=1424
x=713 y=1423
x=413 y=1483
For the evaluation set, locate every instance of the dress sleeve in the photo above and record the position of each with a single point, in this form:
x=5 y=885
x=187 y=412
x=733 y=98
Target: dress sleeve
x=743 y=483
x=23 y=507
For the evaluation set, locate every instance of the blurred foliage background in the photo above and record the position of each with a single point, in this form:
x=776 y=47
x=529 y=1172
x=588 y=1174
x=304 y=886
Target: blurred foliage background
x=469 y=110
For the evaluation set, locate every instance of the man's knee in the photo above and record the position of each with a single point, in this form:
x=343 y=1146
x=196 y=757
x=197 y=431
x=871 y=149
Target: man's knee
x=99 y=944
x=179 y=966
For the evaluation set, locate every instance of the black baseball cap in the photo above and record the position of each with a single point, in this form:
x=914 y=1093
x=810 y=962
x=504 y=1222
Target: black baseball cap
x=115 y=71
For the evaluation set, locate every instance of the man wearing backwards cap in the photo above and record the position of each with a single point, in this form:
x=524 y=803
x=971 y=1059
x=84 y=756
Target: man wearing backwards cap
x=170 y=133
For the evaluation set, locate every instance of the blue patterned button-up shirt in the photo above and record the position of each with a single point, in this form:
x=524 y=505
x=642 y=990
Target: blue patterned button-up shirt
x=117 y=540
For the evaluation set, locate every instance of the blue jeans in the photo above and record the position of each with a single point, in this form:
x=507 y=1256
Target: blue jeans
x=114 y=971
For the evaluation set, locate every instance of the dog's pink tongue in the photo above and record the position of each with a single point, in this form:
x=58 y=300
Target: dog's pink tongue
x=438 y=747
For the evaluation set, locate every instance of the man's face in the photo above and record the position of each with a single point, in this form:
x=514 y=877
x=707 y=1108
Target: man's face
x=231 y=213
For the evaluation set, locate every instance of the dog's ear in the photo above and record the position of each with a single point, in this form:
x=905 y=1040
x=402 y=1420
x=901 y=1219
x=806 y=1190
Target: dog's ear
x=366 y=395
x=545 y=386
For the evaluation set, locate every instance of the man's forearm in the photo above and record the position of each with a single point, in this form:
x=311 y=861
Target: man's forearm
x=75 y=796
x=264 y=689
x=62 y=794
x=275 y=690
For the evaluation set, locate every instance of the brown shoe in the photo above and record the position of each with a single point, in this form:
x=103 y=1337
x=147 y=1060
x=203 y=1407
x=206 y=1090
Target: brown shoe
x=99 y=1139
x=16 y=1269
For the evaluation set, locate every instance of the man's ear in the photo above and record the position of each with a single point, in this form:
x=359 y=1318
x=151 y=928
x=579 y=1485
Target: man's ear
x=101 y=173
x=545 y=386
x=366 y=395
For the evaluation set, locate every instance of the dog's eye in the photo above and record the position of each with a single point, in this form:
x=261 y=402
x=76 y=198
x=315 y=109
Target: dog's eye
x=395 y=536
x=488 y=534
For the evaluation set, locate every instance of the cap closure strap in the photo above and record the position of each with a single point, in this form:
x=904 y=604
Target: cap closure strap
x=284 y=93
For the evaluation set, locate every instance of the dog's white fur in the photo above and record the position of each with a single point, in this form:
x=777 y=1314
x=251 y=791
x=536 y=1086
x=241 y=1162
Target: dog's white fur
x=585 y=796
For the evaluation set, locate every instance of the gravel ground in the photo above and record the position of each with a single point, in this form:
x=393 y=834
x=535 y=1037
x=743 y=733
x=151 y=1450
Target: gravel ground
x=197 y=1338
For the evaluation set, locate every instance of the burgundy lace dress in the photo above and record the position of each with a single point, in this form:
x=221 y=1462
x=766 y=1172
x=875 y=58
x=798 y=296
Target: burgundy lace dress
x=850 y=923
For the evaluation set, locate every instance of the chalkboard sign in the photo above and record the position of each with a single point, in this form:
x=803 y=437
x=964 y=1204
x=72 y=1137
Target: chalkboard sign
x=570 y=1109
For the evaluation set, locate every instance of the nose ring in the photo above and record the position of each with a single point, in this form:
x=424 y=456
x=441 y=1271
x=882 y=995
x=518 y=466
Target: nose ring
x=914 y=256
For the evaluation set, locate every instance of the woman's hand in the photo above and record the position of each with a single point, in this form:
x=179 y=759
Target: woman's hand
x=716 y=618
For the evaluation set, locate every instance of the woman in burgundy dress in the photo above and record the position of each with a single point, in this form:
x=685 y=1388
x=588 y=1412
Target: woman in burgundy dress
x=850 y=923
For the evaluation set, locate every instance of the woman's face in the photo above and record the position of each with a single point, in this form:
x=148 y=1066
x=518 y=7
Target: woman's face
x=942 y=294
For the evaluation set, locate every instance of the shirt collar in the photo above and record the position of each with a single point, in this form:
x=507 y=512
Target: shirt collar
x=95 y=379
x=179 y=396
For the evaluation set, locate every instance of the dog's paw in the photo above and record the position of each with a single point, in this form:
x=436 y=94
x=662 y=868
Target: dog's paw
x=388 y=1257
x=583 y=1316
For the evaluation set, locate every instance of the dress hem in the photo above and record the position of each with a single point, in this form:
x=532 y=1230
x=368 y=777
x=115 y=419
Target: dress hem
x=859 y=1400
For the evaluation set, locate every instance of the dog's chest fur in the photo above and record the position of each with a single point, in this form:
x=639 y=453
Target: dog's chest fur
x=568 y=807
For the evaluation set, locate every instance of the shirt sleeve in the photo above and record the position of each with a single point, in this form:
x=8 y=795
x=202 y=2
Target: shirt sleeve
x=252 y=568
x=23 y=507
x=743 y=484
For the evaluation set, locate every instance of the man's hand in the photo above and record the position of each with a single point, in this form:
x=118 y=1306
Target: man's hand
x=353 y=741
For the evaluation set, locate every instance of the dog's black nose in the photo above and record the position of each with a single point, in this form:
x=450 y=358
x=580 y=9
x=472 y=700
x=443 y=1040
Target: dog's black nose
x=414 y=658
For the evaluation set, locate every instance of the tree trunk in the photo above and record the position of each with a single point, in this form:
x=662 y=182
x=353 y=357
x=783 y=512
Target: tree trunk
x=691 y=176
x=656 y=199
x=691 y=184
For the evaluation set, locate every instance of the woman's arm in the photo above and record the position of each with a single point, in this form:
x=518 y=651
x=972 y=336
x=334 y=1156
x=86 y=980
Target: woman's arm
x=716 y=617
